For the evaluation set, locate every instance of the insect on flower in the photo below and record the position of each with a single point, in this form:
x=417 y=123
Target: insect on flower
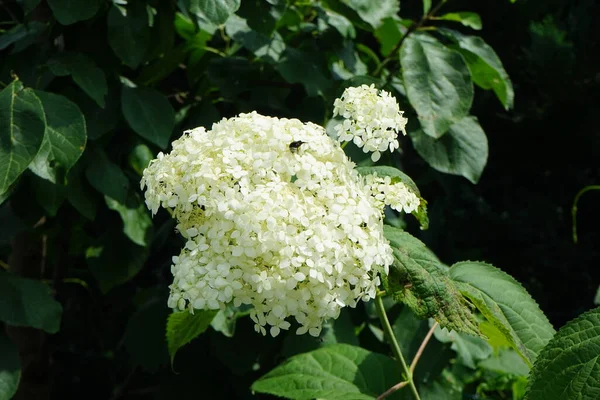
x=294 y=146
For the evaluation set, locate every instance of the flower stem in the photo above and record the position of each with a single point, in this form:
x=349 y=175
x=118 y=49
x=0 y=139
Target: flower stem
x=389 y=333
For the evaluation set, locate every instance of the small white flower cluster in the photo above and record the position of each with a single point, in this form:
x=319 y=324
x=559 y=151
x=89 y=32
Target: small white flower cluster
x=396 y=195
x=275 y=216
x=372 y=119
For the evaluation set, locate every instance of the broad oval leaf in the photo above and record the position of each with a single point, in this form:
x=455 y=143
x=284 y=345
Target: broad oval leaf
x=468 y=19
x=506 y=304
x=486 y=68
x=569 y=366
x=21 y=131
x=64 y=139
x=183 y=327
x=148 y=113
x=463 y=150
x=137 y=224
x=215 y=11
x=106 y=176
x=418 y=279
x=28 y=302
x=129 y=36
x=438 y=83
x=374 y=11
x=68 y=12
x=85 y=73
x=334 y=372
x=10 y=368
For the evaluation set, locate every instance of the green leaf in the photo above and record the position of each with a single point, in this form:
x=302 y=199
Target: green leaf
x=215 y=11
x=64 y=139
x=334 y=372
x=296 y=66
x=507 y=361
x=463 y=150
x=106 y=176
x=10 y=368
x=148 y=113
x=68 y=12
x=115 y=261
x=486 y=68
x=338 y=21
x=28 y=5
x=426 y=6
x=438 y=83
x=268 y=48
x=23 y=35
x=470 y=349
x=468 y=19
x=418 y=279
x=84 y=71
x=80 y=195
x=137 y=224
x=398 y=176
x=183 y=327
x=49 y=195
x=389 y=34
x=569 y=366
x=144 y=336
x=129 y=36
x=140 y=157
x=373 y=12
x=506 y=304
x=21 y=131
x=28 y=302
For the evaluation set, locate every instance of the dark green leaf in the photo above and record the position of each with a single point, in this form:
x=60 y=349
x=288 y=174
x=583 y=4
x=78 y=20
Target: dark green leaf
x=183 y=327
x=389 y=34
x=339 y=22
x=137 y=224
x=470 y=349
x=569 y=366
x=28 y=5
x=116 y=261
x=296 y=66
x=129 y=36
x=149 y=114
x=486 y=68
x=28 y=302
x=507 y=361
x=106 y=176
x=506 y=304
x=10 y=224
x=463 y=150
x=10 y=368
x=269 y=48
x=23 y=35
x=140 y=157
x=68 y=12
x=144 y=336
x=334 y=372
x=79 y=194
x=259 y=15
x=418 y=279
x=85 y=73
x=438 y=83
x=64 y=139
x=398 y=176
x=216 y=11
x=468 y=19
x=21 y=131
x=374 y=11
x=49 y=195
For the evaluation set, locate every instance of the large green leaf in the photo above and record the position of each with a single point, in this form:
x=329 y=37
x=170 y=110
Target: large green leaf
x=137 y=224
x=215 y=11
x=64 y=139
x=10 y=368
x=129 y=36
x=469 y=19
x=569 y=366
x=398 y=176
x=470 y=349
x=486 y=68
x=374 y=11
x=28 y=302
x=296 y=66
x=22 y=35
x=438 y=83
x=149 y=114
x=507 y=361
x=85 y=73
x=183 y=327
x=463 y=150
x=334 y=372
x=21 y=131
x=106 y=176
x=418 y=279
x=68 y=12
x=268 y=48
x=506 y=304
x=49 y=195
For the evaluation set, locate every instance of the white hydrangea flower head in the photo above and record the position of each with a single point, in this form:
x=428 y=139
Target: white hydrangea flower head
x=275 y=216
x=397 y=195
x=371 y=119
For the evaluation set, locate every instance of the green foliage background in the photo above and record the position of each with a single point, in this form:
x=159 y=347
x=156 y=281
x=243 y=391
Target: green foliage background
x=98 y=88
